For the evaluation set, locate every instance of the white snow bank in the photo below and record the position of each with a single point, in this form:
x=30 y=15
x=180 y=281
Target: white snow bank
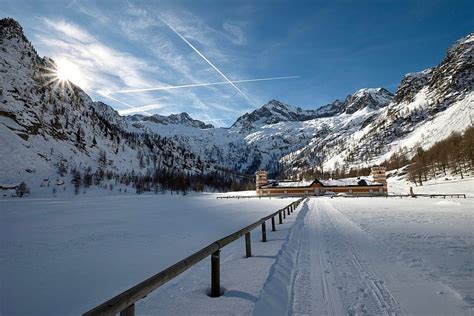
x=276 y=293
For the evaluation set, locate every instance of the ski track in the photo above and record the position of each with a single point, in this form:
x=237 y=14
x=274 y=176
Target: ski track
x=332 y=277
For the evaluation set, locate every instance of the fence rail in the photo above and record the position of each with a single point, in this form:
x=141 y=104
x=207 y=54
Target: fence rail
x=452 y=195
x=124 y=303
x=444 y=195
x=238 y=197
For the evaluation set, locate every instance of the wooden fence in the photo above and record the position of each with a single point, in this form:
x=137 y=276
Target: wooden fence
x=444 y=195
x=238 y=197
x=124 y=303
x=452 y=195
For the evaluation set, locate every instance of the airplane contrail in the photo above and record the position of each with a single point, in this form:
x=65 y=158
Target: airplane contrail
x=203 y=84
x=121 y=102
x=204 y=57
x=142 y=108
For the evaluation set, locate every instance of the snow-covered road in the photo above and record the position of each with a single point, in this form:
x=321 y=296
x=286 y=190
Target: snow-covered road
x=339 y=268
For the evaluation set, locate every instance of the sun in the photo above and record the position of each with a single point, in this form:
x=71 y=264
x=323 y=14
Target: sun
x=67 y=72
x=64 y=72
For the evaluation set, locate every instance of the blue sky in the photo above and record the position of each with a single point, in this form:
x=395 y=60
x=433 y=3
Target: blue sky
x=335 y=47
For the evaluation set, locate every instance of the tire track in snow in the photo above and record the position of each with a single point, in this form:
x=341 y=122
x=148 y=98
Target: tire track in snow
x=341 y=282
x=385 y=300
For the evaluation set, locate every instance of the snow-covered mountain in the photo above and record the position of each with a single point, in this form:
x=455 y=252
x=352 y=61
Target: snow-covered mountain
x=271 y=113
x=426 y=108
x=176 y=119
x=260 y=138
x=47 y=126
x=276 y=111
x=365 y=128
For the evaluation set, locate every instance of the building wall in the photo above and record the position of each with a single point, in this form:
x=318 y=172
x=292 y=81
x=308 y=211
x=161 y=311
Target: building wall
x=316 y=188
x=261 y=178
x=320 y=190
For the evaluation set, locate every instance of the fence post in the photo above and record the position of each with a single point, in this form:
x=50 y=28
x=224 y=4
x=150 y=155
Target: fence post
x=284 y=213
x=248 y=245
x=280 y=219
x=273 y=224
x=288 y=210
x=129 y=311
x=264 y=232
x=215 y=274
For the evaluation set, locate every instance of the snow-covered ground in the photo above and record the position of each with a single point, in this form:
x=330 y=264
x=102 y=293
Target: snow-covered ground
x=380 y=256
x=344 y=256
x=64 y=255
x=442 y=185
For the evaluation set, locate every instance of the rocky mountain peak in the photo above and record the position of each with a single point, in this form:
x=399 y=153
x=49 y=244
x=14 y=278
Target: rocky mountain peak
x=445 y=83
x=411 y=84
x=368 y=98
x=180 y=119
x=272 y=112
x=185 y=119
x=11 y=27
x=371 y=98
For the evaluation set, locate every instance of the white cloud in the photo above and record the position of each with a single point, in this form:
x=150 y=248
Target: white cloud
x=69 y=30
x=186 y=67
x=236 y=34
x=102 y=67
x=168 y=60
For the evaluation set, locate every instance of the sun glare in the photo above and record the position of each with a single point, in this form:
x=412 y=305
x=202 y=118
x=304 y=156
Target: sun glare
x=67 y=71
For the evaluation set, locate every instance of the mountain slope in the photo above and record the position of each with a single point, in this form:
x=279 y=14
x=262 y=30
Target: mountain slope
x=426 y=108
x=49 y=129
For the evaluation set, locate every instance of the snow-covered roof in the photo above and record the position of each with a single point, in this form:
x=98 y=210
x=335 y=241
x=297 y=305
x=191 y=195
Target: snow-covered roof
x=326 y=183
x=288 y=184
x=347 y=182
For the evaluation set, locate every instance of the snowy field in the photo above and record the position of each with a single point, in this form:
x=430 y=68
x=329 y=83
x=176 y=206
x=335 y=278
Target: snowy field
x=452 y=185
x=62 y=256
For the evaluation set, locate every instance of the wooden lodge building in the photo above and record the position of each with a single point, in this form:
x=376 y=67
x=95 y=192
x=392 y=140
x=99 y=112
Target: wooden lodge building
x=353 y=186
